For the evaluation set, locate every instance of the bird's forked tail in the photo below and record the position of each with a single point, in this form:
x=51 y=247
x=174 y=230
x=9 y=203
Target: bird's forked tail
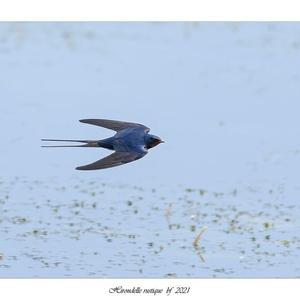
x=87 y=143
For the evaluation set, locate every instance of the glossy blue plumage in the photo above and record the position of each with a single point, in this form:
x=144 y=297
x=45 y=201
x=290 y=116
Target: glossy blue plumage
x=131 y=142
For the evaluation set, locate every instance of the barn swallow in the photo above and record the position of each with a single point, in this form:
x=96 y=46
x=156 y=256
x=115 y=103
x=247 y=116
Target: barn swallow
x=131 y=142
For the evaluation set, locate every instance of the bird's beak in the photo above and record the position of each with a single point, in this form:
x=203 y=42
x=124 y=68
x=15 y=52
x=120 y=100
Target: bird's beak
x=162 y=141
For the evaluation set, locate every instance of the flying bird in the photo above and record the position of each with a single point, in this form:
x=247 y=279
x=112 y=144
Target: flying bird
x=131 y=142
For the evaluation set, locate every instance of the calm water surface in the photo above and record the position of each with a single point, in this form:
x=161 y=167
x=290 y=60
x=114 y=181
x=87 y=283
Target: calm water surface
x=219 y=199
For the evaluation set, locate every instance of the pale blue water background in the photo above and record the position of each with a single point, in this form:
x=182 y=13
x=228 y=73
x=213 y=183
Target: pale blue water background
x=226 y=99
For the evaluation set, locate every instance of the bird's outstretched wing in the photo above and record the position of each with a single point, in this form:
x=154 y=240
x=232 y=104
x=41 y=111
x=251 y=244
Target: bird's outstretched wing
x=116 y=159
x=113 y=125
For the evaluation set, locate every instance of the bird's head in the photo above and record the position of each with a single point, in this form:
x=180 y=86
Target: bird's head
x=152 y=141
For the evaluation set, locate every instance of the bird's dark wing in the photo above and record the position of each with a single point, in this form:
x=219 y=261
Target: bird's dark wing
x=113 y=125
x=116 y=159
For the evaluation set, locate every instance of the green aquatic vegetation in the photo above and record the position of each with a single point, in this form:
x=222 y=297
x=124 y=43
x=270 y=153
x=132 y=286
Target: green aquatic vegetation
x=202 y=192
x=218 y=194
x=19 y=220
x=37 y=232
x=240 y=215
x=171 y=275
x=268 y=225
x=159 y=250
x=174 y=226
x=232 y=225
x=193 y=228
x=78 y=204
x=286 y=243
x=221 y=270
